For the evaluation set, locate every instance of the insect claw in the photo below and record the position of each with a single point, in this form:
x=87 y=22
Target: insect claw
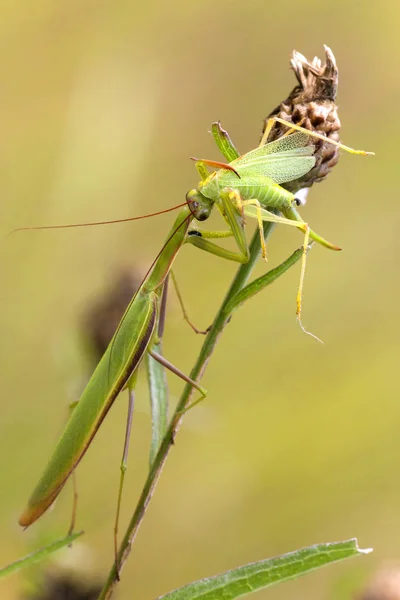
x=308 y=332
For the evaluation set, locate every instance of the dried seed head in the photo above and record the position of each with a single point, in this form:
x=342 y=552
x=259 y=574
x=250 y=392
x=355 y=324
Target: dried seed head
x=384 y=584
x=65 y=586
x=312 y=105
x=101 y=319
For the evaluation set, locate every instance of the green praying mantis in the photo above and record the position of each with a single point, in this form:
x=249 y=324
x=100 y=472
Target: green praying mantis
x=246 y=186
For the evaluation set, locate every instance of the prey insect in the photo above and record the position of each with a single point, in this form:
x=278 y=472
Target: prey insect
x=249 y=184
x=245 y=186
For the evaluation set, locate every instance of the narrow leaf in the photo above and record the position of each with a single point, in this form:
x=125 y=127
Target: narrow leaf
x=38 y=555
x=260 y=283
x=157 y=380
x=256 y=576
x=158 y=388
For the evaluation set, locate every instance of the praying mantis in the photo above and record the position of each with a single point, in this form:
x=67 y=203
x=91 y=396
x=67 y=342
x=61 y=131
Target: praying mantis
x=244 y=186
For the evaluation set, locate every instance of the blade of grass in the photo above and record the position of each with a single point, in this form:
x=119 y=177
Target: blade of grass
x=38 y=555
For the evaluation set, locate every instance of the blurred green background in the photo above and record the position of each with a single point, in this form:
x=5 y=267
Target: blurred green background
x=102 y=103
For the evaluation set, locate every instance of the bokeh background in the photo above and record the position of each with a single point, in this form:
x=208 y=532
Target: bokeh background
x=102 y=103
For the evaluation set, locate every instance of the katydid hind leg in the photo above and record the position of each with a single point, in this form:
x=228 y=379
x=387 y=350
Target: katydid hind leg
x=264 y=140
x=299 y=298
x=312 y=134
x=251 y=209
x=291 y=217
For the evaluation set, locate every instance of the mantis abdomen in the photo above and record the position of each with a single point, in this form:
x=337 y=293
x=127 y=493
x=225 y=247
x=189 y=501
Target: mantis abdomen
x=112 y=373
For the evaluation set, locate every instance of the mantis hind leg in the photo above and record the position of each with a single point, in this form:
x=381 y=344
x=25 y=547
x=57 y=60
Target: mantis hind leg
x=75 y=499
x=175 y=371
x=75 y=495
x=124 y=465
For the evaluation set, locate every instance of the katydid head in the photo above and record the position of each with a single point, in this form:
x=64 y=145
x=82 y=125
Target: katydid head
x=199 y=205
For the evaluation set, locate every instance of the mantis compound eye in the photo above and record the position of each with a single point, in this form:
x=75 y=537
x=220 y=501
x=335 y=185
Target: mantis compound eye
x=198 y=205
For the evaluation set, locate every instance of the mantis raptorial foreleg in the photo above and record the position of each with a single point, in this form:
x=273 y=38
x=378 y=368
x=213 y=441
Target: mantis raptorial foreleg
x=236 y=199
x=197 y=239
x=230 y=213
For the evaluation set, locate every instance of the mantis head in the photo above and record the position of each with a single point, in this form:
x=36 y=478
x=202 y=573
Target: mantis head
x=199 y=205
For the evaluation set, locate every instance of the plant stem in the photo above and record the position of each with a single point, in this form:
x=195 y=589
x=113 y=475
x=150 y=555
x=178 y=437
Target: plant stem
x=221 y=319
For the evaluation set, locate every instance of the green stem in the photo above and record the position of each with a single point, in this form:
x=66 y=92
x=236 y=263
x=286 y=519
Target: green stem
x=206 y=351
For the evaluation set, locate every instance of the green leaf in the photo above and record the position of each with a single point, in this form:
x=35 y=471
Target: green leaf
x=256 y=576
x=262 y=282
x=158 y=387
x=39 y=555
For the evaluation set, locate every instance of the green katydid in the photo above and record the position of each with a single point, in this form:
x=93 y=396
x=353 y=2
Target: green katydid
x=251 y=186
x=246 y=186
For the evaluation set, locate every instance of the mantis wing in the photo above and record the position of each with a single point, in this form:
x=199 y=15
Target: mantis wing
x=122 y=356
